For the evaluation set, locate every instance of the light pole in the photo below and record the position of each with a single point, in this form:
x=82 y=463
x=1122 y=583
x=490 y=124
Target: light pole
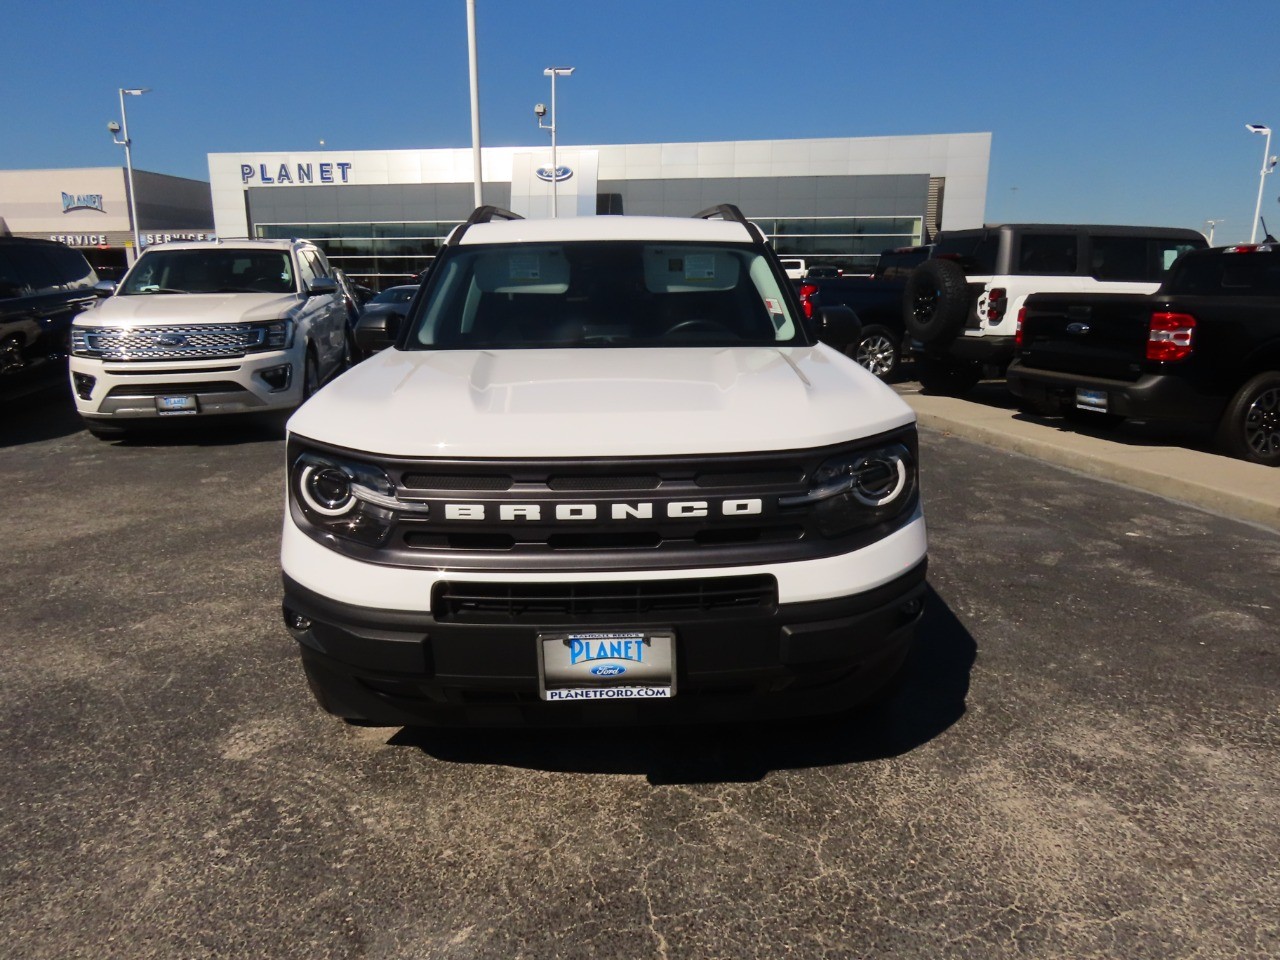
x=474 y=70
x=1268 y=163
x=540 y=110
x=1211 y=224
x=128 y=161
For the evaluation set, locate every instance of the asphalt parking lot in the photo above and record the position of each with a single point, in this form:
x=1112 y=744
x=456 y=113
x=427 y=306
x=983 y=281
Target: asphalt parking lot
x=1082 y=762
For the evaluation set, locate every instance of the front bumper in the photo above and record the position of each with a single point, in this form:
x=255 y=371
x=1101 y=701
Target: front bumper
x=400 y=667
x=1152 y=396
x=128 y=390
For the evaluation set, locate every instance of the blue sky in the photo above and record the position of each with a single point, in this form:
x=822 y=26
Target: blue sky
x=1121 y=112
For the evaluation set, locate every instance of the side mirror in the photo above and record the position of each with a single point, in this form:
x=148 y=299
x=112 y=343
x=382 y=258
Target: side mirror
x=378 y=332
x=322 y=286
x=392 y=331
x=104 y=288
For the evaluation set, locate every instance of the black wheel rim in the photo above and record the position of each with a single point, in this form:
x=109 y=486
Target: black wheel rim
x=926 y=305
x=1262 y=424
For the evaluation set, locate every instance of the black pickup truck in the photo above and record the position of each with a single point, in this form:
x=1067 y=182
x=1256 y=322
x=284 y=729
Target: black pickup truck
x=877 y=300
x=1204 y=348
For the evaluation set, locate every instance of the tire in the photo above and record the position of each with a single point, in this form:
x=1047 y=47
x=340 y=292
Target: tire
x=935 y=303
x=1250 y=427
x=878 y=349
x=946 y=378
x=348 y=358
x=310 y=376
x=106 y=431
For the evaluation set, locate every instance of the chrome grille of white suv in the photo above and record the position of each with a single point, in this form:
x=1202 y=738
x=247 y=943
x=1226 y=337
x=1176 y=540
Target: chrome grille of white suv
x=212 y=341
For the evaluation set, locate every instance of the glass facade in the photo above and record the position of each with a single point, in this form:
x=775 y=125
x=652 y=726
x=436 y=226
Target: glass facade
x=377 y=255
x=381 y=255
x=851 y=243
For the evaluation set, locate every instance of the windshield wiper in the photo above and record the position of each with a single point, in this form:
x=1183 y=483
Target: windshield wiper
x=160 y=290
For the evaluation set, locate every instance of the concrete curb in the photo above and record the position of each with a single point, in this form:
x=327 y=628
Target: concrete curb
x=1233 y=488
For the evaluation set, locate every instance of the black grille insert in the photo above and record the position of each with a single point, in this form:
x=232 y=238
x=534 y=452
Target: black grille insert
x=634 y=601
x=165 y=389
x=434 y=481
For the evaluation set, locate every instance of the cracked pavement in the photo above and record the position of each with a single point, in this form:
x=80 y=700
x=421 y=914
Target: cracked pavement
x=1082 y=761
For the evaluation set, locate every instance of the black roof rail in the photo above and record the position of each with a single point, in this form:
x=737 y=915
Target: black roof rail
x=729 y=211
x=483 y=214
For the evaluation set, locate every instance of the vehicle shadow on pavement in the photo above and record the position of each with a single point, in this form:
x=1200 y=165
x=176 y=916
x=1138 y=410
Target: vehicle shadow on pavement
x=48 y=413
x=929 y=698
x=212 y=432
x=43 y=412
x=1140 y=433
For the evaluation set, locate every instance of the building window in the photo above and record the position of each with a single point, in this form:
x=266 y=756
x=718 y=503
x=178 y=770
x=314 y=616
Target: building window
x=377 y=255
x=851 y=243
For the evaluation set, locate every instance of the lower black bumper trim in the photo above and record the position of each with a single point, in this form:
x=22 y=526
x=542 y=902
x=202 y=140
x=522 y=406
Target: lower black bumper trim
x=404 y=668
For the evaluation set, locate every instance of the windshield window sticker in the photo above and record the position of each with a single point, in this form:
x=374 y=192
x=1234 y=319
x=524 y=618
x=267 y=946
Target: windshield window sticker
x=700 y=266
x=524 y=266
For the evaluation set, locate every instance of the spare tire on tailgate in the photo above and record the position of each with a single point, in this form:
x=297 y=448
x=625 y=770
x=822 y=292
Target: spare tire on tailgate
x=935 y=302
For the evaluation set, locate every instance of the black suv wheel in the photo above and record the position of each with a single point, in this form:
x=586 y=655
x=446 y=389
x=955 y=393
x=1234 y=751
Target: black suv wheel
x=1250 y=428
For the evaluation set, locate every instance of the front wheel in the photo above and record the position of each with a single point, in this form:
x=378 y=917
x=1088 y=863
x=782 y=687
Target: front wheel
x=105 y=431
x=879 y=350
x=310 y=377
x=1250 y=427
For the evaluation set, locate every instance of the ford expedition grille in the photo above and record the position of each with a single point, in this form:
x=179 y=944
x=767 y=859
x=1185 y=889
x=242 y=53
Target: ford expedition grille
x=188 y=342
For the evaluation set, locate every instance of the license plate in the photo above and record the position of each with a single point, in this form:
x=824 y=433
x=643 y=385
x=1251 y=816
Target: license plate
x=607 y=665
x=174 y=406
x=1091 y=400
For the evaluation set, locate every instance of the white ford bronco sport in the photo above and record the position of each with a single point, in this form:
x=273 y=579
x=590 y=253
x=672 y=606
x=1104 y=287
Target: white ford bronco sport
x=208 y=328
x=605 y=475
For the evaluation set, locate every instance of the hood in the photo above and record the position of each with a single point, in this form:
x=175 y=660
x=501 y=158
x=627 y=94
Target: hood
x=601 y=402
x=164 y=308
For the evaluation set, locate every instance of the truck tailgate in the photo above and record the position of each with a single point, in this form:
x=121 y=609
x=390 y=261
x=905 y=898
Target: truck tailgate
x=1103 y=335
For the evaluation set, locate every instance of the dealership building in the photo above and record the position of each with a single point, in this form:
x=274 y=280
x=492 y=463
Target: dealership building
x=88 y=208
x=382 y=215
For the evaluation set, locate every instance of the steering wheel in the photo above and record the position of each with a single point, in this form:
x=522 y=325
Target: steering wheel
x=700 y=326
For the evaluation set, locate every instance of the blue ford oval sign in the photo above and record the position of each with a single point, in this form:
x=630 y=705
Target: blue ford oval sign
x=562 y=173
x=608 y=670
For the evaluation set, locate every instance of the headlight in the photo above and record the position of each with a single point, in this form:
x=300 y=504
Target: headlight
x=859 y=489
x=276 y=335
x=80 y=343
x=355 y=501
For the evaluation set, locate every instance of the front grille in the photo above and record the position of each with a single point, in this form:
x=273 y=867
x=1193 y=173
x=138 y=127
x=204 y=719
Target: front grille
x=211 y=341
x=597 y=514
x=432 y=481
x=169 y=389
x=640 y=601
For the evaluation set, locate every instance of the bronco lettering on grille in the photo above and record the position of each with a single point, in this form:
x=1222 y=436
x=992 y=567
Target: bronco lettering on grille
x=676 y=509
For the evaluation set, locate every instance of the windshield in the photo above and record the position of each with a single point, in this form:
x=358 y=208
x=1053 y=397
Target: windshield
x=616 y=293
x=211 y=270
x=395 y=295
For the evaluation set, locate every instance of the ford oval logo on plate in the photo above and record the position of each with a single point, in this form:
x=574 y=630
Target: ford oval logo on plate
x=562 y=173
x=608 y=670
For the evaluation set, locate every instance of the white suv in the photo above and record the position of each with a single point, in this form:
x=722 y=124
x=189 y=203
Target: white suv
x=201 y=329
x=605 y=475
x=961 y=305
